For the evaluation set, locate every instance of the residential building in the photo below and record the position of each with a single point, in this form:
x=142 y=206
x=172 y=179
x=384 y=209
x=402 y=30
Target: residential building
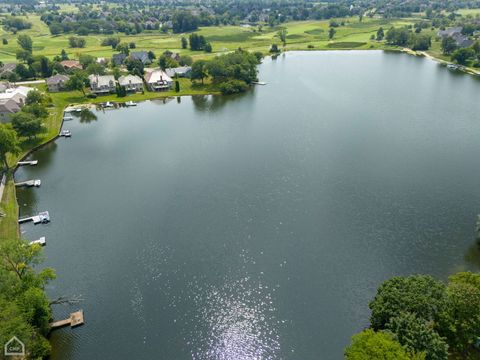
x=71 y=65
x=118 y=59
x=182 y=71
x=142 y=56
x=8 y=107
x=7 y=69
x=132 y=83
x=17 y=94
x=157 y=80
x=456 y=33
x=57 y=82
x=102 y=84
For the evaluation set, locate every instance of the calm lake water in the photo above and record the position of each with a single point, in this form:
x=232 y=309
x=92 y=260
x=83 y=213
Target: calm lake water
x=259 y=226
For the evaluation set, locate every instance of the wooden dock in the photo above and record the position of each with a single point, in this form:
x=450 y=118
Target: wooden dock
x=75 y=319
x=31 y=163
x=29 y=183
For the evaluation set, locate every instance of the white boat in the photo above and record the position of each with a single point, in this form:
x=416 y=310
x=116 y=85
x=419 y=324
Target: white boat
x=452 y=67
x=41 y=218
x=66 y=133
x=78 y=109
x=67 y=118
x=130 y=103
x=42 y=241
x=108 y=104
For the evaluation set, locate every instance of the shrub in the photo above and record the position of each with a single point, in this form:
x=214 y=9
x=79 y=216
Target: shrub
x=233 y=86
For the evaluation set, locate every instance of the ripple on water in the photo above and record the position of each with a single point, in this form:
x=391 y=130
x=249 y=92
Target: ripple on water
x=235 y=321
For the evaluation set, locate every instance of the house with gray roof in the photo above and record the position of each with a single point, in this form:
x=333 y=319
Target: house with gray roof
x=8 y=107
x=181 y=71
x=456 y=34
x=7 y=69
x=57 y=82
x=142 y=56
x=102 y=84
x=131 y=83
x=118 y=59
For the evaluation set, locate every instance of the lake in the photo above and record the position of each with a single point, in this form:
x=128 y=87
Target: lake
x=259 y=226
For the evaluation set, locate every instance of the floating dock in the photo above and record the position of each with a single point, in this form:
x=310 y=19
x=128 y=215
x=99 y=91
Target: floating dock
x=75 y=319
x=31 y=163
x=42 y=241
x=29 y=183
x=41 y=218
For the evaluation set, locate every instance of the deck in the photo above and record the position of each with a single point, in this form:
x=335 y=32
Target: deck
x=75 y=319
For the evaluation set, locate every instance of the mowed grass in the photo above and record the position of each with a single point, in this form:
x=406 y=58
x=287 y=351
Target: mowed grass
x=223 y=38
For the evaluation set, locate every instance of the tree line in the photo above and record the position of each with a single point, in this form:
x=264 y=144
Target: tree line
x=420 y=318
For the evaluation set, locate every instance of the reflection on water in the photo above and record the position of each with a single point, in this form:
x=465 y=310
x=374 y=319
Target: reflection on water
x=213 y=103
x=235 y=321
x=86 y=116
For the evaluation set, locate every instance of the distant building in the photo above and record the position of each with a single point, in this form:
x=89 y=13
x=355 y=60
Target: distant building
x=102 y=84
x=158 y=80
x=132 y=83
x=182 y=71
x=57 y=82
x=118 y=59
x=142 y=56
x=456 y=34
x=450 y=31
x=71 y=65
x=8 y=107
x=7 y=69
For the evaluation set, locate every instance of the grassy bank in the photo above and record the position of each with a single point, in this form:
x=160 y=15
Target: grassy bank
x=9 y=223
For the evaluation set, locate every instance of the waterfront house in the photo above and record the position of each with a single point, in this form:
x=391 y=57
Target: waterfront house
x=57 y=82
x=17 y=94
x=181 y=71
x=102 y=84
x=142 y=56
x=71 y=65
x=157 y=80
x=8 y=107
x=132 y=83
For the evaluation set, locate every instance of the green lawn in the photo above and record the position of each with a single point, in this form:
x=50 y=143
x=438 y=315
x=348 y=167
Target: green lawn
x=223 y=38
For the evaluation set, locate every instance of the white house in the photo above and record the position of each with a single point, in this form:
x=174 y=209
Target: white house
x=158 y=80
x=102 y=84
x=131 y=82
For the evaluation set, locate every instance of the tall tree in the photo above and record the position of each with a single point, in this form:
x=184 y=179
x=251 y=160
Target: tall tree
x=421 y=295
x=370 y=345
x=331 y=33
x=25 y=42
x=77 y=82
x=199 y=70
x=8 y=143
x=27 y=124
